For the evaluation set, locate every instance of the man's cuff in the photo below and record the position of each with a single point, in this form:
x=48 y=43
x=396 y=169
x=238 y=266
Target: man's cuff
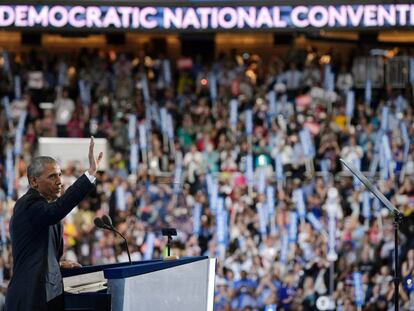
x=90 y=177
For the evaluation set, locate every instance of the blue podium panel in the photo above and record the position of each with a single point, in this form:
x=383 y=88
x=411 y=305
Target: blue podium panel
x=143 y=267
x=96 y=268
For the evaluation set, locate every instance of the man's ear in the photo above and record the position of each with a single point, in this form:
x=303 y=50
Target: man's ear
x=33 y=182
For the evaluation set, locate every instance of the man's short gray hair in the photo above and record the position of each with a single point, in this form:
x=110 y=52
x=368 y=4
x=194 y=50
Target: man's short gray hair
x=37 y=165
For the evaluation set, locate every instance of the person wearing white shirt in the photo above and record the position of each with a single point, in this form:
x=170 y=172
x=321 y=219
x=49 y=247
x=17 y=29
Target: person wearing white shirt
x=64 y=108
x=345 y=81
x=352 y=152
x=292 y=77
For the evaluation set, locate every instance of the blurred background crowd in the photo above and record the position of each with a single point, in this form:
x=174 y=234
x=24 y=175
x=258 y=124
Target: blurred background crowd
x=240 y=155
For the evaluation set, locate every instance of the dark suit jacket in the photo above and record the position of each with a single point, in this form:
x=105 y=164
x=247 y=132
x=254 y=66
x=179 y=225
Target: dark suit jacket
x=37 y=245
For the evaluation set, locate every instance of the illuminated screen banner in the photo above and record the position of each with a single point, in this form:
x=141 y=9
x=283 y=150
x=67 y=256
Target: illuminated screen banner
x=206 y=18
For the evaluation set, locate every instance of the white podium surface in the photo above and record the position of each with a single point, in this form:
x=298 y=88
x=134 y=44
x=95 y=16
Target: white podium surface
x=186 y=287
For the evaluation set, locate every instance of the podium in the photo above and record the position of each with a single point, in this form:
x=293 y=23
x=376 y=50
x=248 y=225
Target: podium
x=185 y=284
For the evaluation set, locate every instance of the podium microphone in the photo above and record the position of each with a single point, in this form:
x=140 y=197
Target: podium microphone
x=106 y=223
x=99 y=223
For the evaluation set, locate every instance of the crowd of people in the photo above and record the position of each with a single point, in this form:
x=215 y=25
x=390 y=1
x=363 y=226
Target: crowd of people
x=240 y=155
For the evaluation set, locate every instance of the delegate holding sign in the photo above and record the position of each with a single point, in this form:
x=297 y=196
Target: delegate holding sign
x=206 y=18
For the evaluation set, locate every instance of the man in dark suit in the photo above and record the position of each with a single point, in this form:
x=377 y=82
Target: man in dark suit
x=36 y=235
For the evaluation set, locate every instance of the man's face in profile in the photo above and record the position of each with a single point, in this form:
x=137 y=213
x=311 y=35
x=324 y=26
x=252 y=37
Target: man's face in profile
x=48 y=183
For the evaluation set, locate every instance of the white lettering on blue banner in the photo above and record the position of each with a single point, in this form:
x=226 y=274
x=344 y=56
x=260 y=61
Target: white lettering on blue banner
x=207 y=17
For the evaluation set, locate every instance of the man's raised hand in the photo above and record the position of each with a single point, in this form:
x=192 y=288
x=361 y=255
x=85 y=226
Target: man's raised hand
x=93 y=162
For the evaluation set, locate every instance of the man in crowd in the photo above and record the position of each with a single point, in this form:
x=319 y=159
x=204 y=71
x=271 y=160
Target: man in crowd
x=36 y=234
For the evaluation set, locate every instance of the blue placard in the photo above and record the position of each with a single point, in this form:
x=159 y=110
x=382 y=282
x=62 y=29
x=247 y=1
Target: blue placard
x=249 y=170
x=366 y=207
x=359 y=291
x=249 y=122
x=368 y=91
x=133 y=157
x=196 y=218
x=132 y=126
x=17 y=87
x=142 y=129
x=234 y=104
x=350 y=103
x=9 y=172
x=293 y=227
x=298 y=199
x=316 y=224
x=270 y=197
x=263 y=218
x=149 y=249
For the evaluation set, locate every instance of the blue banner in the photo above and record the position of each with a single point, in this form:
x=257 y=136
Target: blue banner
x=284 y=252
x=272 y=112
x=366 y=207
x=350 y=104
x=6 y=62
x=270 y=196
x=142 y=129
x=359 y=291
x=357 y=164
x=307 y=144
x=6 y=105
x=329 y=78
x=298 y=199
x=121 y=202
x=293 y=227
x=145 y=90
x=249 y=170
x=149 y=246
x=9 y=172
x=178 y=179
x=17 y=87
x=368 y=92
x=196 y=218
x=406 y=140
x=132 y=126
x=18 y=140
x=133 y=158
x=214 y=192
x=400 y=103
x=412 y=70
x=261 y=187
x=84 y=92
x=209 y=183
x=263 y=219
x=249 y=122
x=279 y=170
x=170 y=128
x=384 y=118
x=163 y=116
x=213 y=86
x=221 y=222
x=325 y=169
x=234 y=104
x=331 y=254
x=166 y=70
x=316 y=224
